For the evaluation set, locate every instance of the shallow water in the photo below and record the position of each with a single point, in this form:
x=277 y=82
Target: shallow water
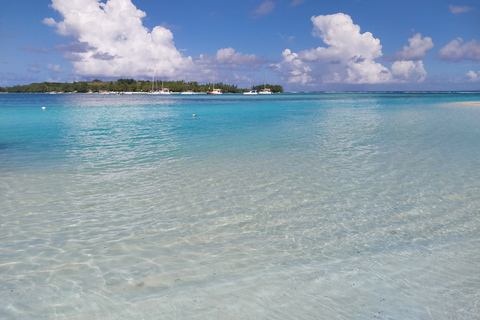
x=290 y=206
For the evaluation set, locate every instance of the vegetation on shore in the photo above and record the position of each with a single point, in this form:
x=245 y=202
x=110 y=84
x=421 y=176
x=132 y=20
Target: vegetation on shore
x=128 y=85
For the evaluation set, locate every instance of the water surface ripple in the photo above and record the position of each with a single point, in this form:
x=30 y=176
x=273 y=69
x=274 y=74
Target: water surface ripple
x=293 y=206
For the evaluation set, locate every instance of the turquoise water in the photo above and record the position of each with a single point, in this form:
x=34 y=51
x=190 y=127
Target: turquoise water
x=290 y=206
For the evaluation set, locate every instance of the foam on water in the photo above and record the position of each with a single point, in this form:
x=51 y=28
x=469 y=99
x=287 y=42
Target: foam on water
x=299 y=206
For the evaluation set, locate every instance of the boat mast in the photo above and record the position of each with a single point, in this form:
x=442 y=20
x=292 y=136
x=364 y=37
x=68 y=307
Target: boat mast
x=214 y=80
x=153 y=79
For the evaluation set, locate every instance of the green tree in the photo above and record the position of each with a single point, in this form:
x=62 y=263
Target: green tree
x=274 y=88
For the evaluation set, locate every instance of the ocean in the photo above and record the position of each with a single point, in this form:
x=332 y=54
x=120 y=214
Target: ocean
x=288 y=206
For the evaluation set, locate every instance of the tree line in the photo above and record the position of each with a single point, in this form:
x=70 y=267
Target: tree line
x=129 y=85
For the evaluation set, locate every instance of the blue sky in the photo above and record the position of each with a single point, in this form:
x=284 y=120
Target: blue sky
x=303 y=45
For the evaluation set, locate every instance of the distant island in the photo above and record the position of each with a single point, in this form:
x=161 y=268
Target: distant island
x=129 y=85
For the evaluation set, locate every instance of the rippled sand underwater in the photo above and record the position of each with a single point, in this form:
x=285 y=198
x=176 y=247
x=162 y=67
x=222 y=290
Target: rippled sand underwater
x=294 y=206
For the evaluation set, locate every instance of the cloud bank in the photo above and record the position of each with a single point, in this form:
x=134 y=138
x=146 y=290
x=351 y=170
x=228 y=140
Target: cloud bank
x=349 y=56
x=112 y=42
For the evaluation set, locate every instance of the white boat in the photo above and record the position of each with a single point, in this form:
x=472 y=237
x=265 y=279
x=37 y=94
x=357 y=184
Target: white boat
x=164 y=90
x=156 y=91
x=154 y=82
x=215 y=91
x=265 y=91
x=252 y=91
x=187 y=91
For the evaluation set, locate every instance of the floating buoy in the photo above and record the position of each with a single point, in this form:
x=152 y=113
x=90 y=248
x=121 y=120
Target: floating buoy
x=43 y=108
x=194 y=115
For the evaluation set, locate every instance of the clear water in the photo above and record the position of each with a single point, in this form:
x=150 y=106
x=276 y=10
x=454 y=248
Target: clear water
x=292 y=206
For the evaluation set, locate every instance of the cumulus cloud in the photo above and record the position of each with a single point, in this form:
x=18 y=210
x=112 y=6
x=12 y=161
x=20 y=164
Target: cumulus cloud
x=297 y=71
x=473 y=76
x=409 y=71
x=459 y=9
x=456 y=50
x=416 y=50
x=112 y=42
x=265 y=8
x=349 y=56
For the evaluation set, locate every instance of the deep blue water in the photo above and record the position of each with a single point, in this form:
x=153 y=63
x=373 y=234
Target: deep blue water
x=290 y=206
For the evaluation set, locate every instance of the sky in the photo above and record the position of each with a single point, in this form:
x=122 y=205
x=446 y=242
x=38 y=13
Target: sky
x=302 y=45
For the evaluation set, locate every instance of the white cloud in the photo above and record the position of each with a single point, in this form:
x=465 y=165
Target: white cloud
x=229 y=56
x=459 y=9
x=50 y=22
x=265 y=8
x=456 y=50
x=416 y=50
x=55 y=68
x=114 y=41
x=473 y=76
x=349 y=56
x=294 y=68
x=409 y=71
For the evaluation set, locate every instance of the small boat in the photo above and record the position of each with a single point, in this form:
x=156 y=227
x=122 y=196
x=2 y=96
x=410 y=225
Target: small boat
x=252 y=91
x=215 y=91
x=265 y=91
x=164 y=91
x=156 y=91
x=188 y=92
x=161 y=91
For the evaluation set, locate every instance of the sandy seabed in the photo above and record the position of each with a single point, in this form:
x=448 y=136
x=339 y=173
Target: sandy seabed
x=466 y=103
